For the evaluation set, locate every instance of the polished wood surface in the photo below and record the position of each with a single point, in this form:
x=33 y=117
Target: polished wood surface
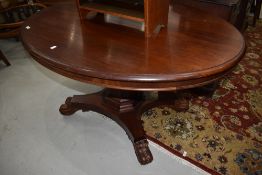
x=156 y=16
x=195 y=47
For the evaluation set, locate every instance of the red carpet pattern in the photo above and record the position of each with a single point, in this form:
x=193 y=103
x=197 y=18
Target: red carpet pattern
x=221 y=134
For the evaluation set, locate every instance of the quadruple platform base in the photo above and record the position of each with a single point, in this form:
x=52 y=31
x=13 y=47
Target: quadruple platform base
x=126 y=108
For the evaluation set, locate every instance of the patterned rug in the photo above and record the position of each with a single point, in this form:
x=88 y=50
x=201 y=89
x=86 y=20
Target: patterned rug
x=221 y=134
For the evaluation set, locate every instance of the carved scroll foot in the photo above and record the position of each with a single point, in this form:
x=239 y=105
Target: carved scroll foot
x=124 y=107
x=68 y=108
x=142 y=151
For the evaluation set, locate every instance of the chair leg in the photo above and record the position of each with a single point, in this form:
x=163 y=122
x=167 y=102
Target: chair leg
x=257 y=11
x=258 y=8
x=2 y=57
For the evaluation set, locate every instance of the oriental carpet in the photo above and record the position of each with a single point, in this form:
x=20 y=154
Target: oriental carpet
x=221 y=134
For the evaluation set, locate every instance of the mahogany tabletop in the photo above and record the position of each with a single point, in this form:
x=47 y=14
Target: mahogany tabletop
x=194 y=49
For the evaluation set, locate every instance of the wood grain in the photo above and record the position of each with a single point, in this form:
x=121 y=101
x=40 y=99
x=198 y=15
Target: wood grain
x=195 y=49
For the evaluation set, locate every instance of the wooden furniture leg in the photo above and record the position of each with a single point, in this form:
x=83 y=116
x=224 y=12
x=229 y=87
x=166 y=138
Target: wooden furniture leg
x=122 y=107
x=4 y=59
x=257 y=11
x=126 y=108
x=176 y=100
x=207 y=90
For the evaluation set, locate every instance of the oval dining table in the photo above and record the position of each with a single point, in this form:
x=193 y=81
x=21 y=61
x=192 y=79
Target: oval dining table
x=193 y=50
